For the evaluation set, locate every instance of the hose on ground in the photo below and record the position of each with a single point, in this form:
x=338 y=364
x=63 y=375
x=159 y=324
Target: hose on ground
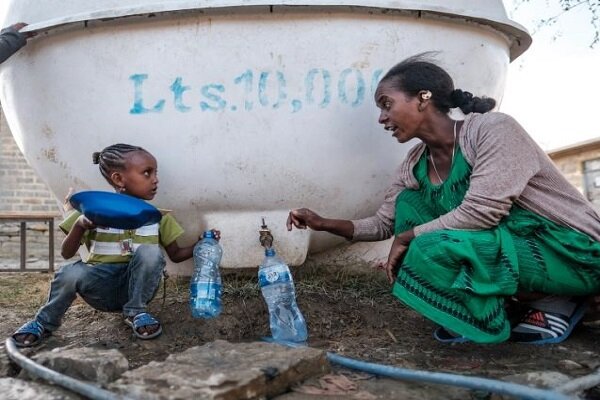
x=467 y=382
x=440 y=378
x=580 y=384
x=85 y=389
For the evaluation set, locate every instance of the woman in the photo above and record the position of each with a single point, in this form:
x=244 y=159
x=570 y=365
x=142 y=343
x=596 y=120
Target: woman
x=480 y=214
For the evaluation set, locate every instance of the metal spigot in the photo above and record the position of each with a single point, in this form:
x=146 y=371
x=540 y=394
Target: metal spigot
x=265 y=236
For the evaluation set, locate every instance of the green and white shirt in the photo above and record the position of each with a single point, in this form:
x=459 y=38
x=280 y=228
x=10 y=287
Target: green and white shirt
x=112 y=246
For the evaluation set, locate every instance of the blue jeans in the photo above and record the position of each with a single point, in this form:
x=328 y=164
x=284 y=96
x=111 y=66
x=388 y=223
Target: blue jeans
x=106 y=287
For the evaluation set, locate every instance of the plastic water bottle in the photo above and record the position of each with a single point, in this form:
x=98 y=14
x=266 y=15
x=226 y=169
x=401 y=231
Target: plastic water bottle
x=277 y=286
x=205 y=286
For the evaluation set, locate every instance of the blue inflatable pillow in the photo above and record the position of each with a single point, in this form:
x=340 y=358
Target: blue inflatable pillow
x=115 y=210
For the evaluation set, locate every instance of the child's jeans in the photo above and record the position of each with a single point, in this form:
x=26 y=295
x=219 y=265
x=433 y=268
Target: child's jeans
x=106 y=287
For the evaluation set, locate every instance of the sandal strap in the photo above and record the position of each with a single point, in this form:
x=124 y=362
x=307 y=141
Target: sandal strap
x=32 y=327
x=554 y=324
x=144 y=319
x=443 y=335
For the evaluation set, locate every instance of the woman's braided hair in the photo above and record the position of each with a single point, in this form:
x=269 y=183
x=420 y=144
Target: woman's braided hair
x=417 y=73
x=113 y=158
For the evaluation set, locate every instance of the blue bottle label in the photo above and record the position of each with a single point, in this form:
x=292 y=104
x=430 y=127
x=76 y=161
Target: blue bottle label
x=272 y=275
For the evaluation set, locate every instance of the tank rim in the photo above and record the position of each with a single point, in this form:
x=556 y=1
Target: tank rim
x=518 y=37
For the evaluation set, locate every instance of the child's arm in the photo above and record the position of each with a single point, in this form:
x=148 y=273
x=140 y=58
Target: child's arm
x=72 y=241
x=179 y=254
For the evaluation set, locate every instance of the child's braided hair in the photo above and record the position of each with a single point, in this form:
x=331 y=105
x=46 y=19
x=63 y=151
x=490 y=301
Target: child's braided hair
x=113 y=158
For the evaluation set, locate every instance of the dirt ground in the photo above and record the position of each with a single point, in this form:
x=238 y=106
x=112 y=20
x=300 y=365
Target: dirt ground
x=349 y=311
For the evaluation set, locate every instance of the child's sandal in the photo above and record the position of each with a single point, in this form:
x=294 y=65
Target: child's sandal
x=143 y=320
x=33 y=328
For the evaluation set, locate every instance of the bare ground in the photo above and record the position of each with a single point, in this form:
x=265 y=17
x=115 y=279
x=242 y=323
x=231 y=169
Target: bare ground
x=349 y=311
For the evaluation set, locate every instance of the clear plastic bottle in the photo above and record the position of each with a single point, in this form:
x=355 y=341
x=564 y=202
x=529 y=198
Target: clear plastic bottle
x=205 y=285
x=277 y=286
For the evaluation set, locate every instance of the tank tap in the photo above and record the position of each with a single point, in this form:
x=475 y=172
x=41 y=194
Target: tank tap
x=265 y=238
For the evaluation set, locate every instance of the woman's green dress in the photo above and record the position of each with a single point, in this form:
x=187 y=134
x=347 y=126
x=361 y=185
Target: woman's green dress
x=459 y=279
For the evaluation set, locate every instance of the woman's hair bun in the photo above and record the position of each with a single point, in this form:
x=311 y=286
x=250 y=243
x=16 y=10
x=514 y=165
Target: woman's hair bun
x=96 y=157
x=469 y=103
x=460 y=98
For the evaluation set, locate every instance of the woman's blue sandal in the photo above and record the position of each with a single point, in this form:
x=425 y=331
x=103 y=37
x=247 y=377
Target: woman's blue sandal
x=441 y=334
x=143 y=320
x=543 y=327
x=33 y=328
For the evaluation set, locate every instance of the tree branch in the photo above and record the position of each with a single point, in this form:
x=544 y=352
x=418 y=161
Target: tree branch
x=566 y=6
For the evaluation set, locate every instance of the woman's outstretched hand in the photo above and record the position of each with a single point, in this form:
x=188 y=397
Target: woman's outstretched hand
x=303 y=218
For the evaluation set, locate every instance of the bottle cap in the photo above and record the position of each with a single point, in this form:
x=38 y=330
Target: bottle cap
x=269 y=252
x=208 y=234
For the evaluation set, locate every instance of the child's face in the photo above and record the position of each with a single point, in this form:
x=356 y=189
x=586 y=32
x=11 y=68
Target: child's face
x=140 y=177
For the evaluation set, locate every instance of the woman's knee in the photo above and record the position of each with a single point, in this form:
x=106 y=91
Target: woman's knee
x=422 y=244
x=428 y=247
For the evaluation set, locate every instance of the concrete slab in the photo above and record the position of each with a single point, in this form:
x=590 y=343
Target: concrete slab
x=223 y=370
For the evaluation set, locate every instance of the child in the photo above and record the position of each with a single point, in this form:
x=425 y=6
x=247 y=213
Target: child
x=124 y=267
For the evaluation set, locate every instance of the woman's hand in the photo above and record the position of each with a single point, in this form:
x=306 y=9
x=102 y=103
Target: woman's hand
x=397 y=253
x=303 y=218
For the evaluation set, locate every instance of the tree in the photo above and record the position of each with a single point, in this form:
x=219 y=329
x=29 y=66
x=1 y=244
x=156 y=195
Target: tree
x=592 y=6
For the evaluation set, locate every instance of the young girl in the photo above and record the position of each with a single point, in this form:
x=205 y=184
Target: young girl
x=124 y=267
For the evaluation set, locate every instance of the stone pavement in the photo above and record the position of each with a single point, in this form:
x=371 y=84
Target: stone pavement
x=216 y=370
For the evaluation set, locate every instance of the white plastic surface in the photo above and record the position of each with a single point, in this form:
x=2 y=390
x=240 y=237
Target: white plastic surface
x=53 y=13
x=250 y=111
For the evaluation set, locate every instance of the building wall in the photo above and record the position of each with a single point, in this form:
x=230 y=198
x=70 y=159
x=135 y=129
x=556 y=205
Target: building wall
x=571 y=166
x=22 y=191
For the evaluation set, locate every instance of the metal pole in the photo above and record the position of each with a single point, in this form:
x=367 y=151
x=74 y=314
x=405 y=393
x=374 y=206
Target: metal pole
x=23 y=233
x=51 y=245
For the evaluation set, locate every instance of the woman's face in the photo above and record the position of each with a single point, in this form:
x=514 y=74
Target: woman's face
x=399 y=112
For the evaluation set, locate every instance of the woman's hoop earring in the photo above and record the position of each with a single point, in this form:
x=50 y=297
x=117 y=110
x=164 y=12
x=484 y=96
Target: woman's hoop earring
x=122 y=189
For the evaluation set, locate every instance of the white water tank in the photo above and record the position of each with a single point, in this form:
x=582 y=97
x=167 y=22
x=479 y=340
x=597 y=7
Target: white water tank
x=250 y=107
